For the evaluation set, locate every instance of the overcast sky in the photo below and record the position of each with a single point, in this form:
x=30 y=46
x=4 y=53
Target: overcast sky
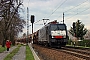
x=53 y=10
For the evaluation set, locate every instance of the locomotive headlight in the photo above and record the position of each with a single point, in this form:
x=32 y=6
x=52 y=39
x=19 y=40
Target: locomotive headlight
x=52 y=37
x=52 y=33
x=64 y=36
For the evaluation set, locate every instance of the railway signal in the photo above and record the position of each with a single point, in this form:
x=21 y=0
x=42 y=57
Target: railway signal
x=32 y=18
x=32 y=21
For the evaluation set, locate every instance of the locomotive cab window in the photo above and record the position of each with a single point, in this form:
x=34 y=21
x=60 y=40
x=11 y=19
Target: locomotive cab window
x=57 y=27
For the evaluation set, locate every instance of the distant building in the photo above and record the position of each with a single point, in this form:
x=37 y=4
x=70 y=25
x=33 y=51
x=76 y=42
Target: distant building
x=71 y=37
x=87 y=36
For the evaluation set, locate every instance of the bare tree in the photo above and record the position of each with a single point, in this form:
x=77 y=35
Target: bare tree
x=10 y=19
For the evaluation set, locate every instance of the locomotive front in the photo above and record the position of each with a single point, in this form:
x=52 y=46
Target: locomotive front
x=58 y=35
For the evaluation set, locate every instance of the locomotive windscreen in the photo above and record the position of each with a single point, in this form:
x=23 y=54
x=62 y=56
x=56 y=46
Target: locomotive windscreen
x=58 y=27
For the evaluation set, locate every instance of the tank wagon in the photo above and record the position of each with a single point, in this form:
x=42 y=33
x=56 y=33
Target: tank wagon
x=53 y=34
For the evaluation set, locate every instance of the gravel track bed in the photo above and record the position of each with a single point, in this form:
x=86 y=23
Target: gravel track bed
x=50 y=54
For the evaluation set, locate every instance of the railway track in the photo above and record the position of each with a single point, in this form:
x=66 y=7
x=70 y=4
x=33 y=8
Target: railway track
x=85 y=54
x=74 y=52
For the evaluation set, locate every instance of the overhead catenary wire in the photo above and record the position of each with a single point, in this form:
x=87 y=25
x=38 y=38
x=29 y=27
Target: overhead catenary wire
x=64 y=11
x=72 y=8
x=75 y=6
x=37 y=21
x=53 y=11
x=79 y=13
x=57 y=8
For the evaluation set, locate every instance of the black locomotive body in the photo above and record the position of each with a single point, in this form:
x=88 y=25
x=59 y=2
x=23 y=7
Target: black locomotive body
x=53 y=34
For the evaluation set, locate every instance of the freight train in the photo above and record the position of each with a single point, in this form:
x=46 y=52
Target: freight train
x=52 y=34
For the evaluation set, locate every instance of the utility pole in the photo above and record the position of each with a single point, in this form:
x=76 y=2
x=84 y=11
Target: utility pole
x=27 y=25
x=63 y=17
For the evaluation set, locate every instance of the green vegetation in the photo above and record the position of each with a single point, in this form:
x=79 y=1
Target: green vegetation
x=9 y=56
x=78 y=30
x=29 y=55
x=83 y=43
x=2 y=49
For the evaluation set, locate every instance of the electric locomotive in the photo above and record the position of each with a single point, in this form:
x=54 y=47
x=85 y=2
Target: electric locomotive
x=53 y=34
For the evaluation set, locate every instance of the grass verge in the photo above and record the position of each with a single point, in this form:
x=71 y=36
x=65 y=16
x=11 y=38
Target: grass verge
x=2 y=49
x=29 y=55
x=9 y=56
